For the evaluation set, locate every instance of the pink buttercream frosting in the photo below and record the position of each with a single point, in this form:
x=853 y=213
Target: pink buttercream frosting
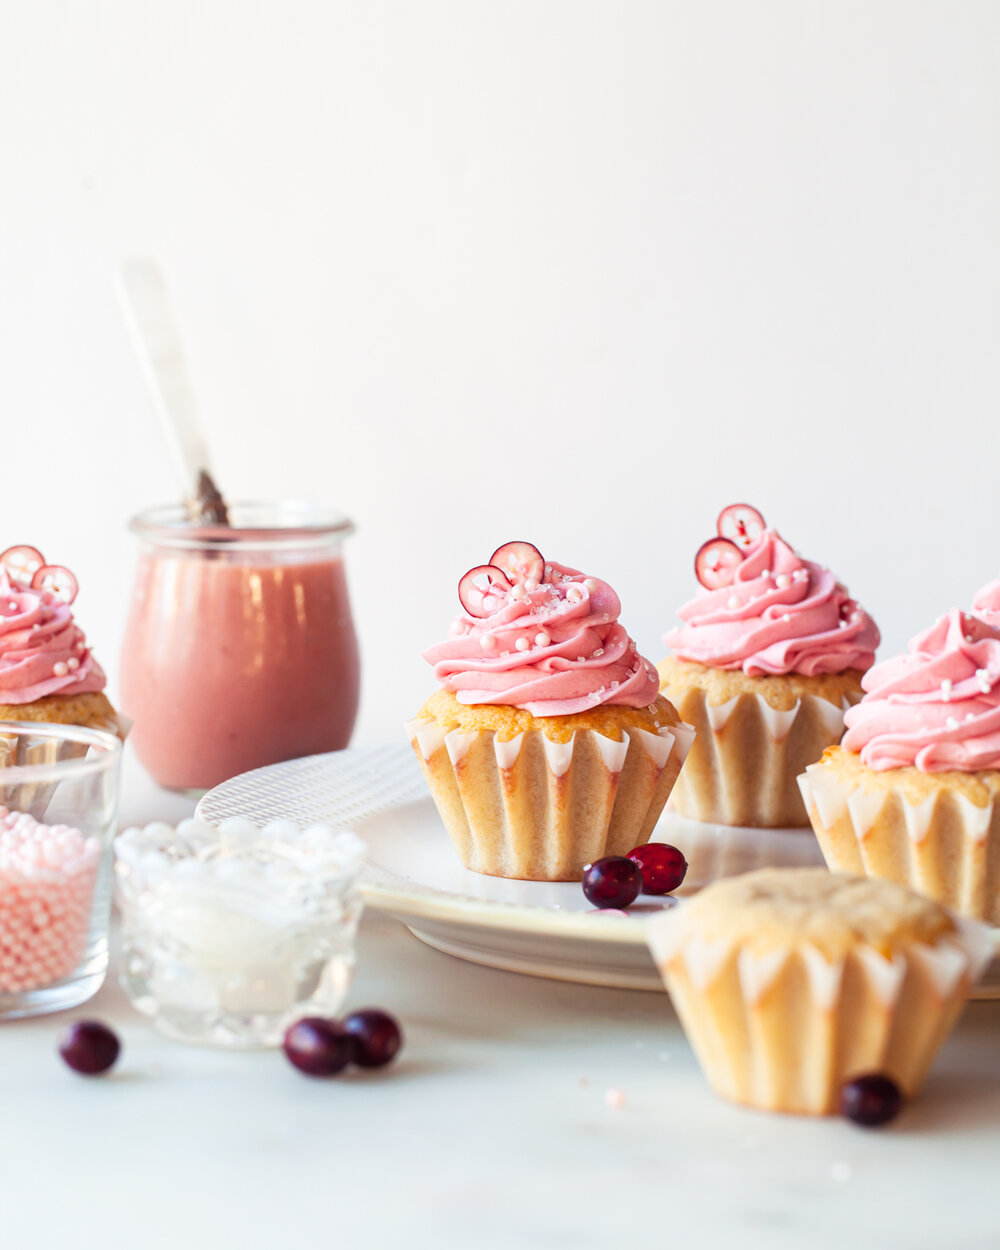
x=938 y=706
x=553 y=650
x=42 y=649
x=781 y=614
x=987 y=601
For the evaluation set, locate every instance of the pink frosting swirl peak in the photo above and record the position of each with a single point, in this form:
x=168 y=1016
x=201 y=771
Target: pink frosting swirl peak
x=780 y=614
x=553 y=648
x=42 y=649
x=938 y=706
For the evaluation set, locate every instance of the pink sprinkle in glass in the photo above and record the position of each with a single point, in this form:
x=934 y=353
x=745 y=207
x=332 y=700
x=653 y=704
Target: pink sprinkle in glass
x=58 y=803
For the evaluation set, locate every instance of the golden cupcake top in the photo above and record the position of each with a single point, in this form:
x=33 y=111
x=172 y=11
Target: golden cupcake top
x=778 y=908
x=782 y=693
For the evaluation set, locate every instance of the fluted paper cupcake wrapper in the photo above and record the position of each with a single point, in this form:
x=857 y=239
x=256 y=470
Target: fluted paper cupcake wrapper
x=747 y=756
x=538 y=810
x=784 y=1030
x=946 y=847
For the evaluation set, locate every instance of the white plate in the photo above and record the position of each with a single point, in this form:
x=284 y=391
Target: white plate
x=545 y=929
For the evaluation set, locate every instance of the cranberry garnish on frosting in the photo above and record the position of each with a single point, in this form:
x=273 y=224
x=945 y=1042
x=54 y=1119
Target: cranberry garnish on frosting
x=716 y=561
x=768 y=611
x=541 y=636
x=42 y=649
x=740 y=523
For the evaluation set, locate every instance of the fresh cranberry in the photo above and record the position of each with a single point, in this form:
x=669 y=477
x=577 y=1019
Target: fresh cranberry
x=871 y=1100
x=612 y=882
x=89 y=1047
x=377 y=1037
x=663 y=867
x=319 y=1047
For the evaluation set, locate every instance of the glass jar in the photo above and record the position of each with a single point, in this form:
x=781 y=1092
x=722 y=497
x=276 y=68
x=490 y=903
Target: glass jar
x=58 y=803
x=230 y=934
x=240 y=649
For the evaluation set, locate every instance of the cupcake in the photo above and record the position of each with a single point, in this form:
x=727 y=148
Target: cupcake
x=791 y=981
x=547 y=745
x=911 y=794
x=47 y=671
x=766 y=660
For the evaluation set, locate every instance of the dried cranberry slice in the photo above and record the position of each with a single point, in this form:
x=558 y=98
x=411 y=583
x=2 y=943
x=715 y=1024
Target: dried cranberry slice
x=521 y=562
x=482 y=589
x=59 y=580
x=22 y=563
x=716 y=562
x=740 y=523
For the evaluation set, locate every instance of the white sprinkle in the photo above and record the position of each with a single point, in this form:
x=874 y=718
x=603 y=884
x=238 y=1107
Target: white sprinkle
x=454 y=629
x=783 y=580
x=522 y=644
x=970 y=716
x=607 y=616
x=580 y=659
x=951 y=723
x=73 y=664
x=503 y=655
x=590 y=583
x=599 y=651
x=734 y=601
x=843 y=624
x=946 y=688
x=12 y=606
x=574 y=594
x=766 y=573
x=60 y=669
x=968 y=638
x=542 y=639
x=785 y=617
x=615 y=1099
x=487 y=642
x=517 y=592
x=531 y=583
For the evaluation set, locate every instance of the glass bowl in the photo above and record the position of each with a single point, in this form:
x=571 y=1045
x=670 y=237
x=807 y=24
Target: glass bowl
x=58 y=803
x=231 y=933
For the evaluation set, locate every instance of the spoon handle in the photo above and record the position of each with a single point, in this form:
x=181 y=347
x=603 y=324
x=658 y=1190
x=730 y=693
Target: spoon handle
x=149 y=319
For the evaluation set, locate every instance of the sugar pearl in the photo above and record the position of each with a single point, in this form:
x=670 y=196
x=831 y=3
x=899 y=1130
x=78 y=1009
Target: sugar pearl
x=517 y=592
x=951 y=723
x=487 y=642
x=946 y=688
x=60 y=669
x=786 y=618
x=522 y=644
x=734 y=601
x=782 y=580
x=574 y=594
x=531 y=583
x=542 y=639
x=73 y=664
x=590 y=583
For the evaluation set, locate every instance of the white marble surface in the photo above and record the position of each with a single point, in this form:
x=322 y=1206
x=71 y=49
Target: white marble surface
x=492 y=1131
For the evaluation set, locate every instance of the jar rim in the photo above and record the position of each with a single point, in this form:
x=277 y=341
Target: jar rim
x=255 y=524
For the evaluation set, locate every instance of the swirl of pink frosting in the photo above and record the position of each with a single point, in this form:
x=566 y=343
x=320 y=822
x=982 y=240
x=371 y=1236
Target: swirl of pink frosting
x=987 y=602
x=781 y=614
x=554 y=650
x=938 y=706
x=42 y=649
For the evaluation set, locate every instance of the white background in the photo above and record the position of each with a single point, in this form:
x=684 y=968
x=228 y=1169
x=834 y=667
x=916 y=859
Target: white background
x=574 y=272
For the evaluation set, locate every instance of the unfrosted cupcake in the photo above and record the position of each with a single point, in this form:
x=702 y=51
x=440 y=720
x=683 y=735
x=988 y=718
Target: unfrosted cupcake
x=766 y=660
x=547 y=745
x=47 y=670
x=912 y=792
x=791 y=981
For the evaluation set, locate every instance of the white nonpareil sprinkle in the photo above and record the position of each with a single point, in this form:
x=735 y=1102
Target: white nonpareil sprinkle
x=580 y=659
x=60 y=669
x=843 y=624
x=522 y=644
x=946 y=688
x=951 y=723
x=574 y=594
x=786 y=617
x=542 y=639
x=783 y=580
x=590 y=583
x=734 y=601
x=599 y=651
x=983 y=677
x=970 y=716
x=487 y=642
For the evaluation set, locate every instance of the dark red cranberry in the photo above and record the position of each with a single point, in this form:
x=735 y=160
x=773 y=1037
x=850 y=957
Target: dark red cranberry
x=612 y=882
x=663 y=867
x=377 y=1037
x=319 y=1047
x=89 y=1047
x=871 y=1100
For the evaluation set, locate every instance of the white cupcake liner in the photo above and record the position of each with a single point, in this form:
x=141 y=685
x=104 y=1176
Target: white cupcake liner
x=946 y=846
x=539 y=810
x=784 y=1030
x=748 y=755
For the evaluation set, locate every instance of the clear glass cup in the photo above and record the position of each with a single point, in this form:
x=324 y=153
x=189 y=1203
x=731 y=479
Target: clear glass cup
x=240 y=648
x=59 y=797
x=231 y=934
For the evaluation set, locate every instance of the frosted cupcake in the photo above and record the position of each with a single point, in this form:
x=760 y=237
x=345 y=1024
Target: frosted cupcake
x=764 y=664
x=791 y=981
x=47 y=670
x=912 y=792
x=547 y=745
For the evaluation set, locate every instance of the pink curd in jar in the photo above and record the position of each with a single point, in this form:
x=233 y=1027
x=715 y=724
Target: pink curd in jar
x=238 y=655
